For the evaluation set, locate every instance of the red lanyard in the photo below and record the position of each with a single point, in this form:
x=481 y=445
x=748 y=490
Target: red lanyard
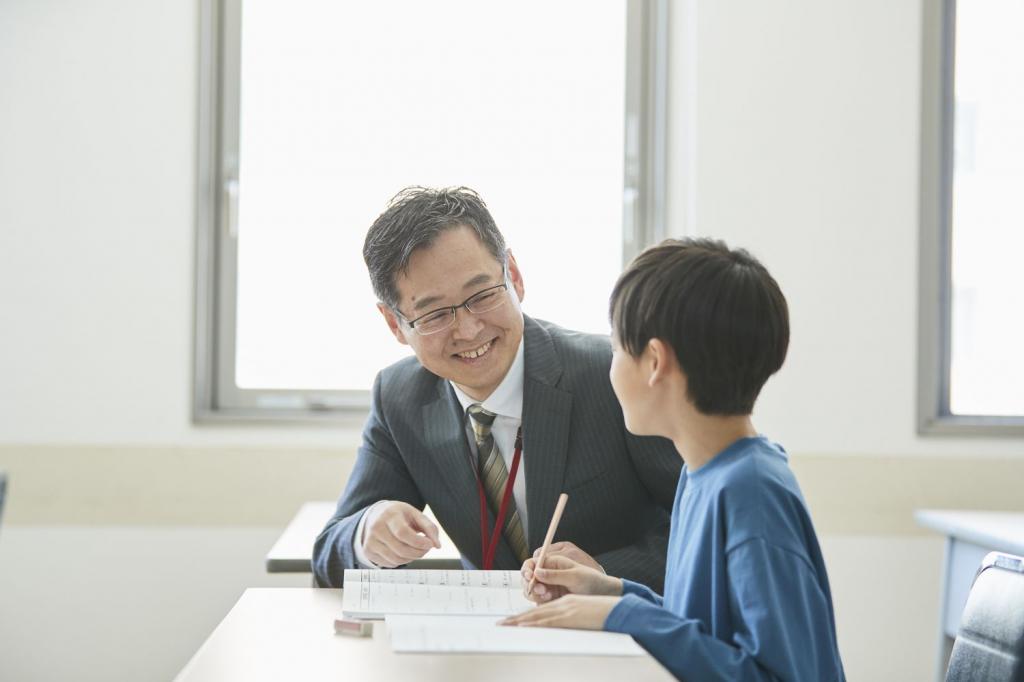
x=489 y=548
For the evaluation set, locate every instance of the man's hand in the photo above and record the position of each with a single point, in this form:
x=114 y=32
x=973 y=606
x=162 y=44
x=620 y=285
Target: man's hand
x=561 y=576
x=573 y=611
x=395 y=533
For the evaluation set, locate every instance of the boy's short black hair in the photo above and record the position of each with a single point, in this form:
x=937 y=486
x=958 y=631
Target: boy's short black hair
x=720 y=311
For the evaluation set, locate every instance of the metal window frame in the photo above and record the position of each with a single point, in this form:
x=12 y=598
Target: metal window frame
x=216 y=396
x=934 y=416
x=646 y=134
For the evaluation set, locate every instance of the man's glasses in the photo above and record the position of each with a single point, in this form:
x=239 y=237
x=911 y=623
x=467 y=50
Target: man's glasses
x=481 y=302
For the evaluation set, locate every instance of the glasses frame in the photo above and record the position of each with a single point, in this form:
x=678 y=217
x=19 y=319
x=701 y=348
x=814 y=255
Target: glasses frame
x=453 y=310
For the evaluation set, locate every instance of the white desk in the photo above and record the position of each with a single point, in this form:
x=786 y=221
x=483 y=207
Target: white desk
x=288 y=634
x=970 y=535
x=293 y=551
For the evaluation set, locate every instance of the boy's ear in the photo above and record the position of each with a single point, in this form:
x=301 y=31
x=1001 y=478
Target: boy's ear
x=393 y=323
x=661 y=361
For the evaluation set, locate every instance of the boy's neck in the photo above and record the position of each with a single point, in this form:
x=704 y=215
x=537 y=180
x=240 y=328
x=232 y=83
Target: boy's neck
x=700 y=437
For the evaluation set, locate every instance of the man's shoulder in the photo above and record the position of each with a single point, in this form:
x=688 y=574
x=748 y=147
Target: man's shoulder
x=572 y=345
x=408 y=378
x=406 y=367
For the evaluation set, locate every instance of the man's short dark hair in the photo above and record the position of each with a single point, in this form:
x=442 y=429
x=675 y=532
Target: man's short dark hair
x=413 y=220
x=719 y=309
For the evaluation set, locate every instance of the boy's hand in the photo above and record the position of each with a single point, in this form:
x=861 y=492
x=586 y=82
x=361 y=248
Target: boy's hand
x=572 y=611
x=570 y=551
x=561 y=576
x=565 y=549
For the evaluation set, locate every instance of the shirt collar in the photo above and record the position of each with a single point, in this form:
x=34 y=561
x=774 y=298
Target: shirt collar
x=507 y=398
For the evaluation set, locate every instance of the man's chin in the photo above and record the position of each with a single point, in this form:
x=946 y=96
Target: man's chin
x=478 y=382
x=476 y=386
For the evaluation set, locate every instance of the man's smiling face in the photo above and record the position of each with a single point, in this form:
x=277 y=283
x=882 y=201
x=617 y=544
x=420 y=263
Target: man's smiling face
x=476 y=351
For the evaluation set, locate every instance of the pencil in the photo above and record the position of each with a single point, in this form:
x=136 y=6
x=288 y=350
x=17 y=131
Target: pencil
x=555 y=518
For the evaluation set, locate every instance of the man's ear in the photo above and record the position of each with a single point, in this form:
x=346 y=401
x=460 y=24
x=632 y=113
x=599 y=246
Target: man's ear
x=660 y=362
x=515 y=276
x=394 y=324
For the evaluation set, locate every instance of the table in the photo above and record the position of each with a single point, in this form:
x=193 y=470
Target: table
x=293 y=551
x=288 y=634
x=970 y=535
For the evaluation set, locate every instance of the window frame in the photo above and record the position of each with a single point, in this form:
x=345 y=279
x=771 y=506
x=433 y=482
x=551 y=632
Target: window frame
x=934 y=417
x=216 y=396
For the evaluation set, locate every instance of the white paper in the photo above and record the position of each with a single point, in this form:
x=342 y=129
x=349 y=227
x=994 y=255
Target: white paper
x=376 y=593
x=483 y=635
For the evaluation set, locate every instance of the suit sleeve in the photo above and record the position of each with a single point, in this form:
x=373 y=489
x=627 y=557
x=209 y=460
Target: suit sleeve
x=657 y=465
x=379 y=474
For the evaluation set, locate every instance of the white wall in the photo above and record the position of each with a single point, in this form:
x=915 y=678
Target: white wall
x=120 y=603
x=807 y=154
x=97 y=208
x=97 y=187
x=807 y=149
x=807 y=120
x=807 y=115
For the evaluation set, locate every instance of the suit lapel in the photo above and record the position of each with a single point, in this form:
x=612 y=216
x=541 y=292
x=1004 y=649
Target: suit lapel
x=547 y=411
x=445 y=439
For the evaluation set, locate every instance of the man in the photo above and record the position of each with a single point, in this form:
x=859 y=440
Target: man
x=444 y=426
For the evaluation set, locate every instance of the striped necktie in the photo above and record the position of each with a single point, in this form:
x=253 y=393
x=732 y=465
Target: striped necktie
x=494 y=476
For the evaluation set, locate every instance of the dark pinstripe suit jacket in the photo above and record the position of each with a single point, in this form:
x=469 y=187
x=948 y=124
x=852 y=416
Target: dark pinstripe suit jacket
x=414 y=449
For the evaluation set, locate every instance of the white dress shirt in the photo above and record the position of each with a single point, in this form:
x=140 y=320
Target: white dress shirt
x=507 y=403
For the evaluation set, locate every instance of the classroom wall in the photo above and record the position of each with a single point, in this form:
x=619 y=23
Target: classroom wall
x=806 y=153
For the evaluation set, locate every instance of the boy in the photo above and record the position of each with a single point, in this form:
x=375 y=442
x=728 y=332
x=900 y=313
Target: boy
x=697 y=330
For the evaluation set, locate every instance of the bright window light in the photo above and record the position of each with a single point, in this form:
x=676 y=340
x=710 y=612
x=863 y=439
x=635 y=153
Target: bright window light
x=343 y=104
x=987 y=365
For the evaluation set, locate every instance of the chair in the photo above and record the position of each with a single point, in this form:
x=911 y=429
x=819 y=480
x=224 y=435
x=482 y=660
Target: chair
x=988 y=643
x=1020 y=662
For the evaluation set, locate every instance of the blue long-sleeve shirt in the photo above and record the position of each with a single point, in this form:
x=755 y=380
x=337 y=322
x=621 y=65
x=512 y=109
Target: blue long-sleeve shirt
x=746 y=592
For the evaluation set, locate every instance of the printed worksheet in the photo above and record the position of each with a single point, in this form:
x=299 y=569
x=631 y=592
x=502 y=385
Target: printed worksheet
x=483 y=635
x=377 y=593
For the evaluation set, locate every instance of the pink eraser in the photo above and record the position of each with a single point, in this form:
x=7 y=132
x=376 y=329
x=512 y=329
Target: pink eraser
x=353 y=628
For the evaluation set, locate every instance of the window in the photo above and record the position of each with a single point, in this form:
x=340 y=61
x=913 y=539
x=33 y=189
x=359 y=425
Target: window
x=972 y=286
x=314 y=113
